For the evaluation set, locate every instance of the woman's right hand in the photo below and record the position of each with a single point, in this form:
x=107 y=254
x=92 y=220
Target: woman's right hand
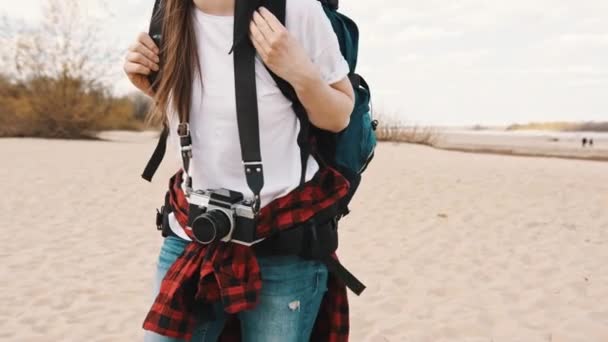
x=141 y=60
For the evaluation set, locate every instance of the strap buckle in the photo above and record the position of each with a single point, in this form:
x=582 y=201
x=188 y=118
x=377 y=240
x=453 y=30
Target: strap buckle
x=183 y=130
x=185 y=141
x=255 y=206
x=255 y=180
x=159 y=217
x=252 y=166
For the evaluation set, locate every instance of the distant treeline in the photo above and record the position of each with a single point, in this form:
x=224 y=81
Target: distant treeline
x=562 y=126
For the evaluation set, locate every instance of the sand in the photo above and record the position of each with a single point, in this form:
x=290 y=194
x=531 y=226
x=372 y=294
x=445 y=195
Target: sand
x=452 y=246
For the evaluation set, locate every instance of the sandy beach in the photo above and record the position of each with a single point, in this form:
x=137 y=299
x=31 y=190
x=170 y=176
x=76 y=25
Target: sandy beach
x=453 y=246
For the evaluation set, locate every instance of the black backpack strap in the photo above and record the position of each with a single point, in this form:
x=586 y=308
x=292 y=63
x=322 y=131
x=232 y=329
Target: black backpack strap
x=278 y=8
x=335 y=267
x=333 y=4
x=157 y=155
x=155 y=31
x=246 y=98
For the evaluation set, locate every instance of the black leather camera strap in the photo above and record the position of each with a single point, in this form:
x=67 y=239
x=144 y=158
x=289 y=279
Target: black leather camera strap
x=246 y=97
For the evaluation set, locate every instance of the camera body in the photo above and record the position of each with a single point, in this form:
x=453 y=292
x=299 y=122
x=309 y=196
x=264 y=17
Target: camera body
x=221 y=215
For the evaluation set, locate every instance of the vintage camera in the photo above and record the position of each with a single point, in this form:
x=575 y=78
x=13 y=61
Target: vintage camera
x=221 y=215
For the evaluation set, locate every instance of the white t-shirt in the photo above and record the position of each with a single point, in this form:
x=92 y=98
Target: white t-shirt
x=216 y=150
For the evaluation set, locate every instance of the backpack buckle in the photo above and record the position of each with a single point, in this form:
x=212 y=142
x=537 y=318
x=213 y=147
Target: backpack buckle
x=159 y=217
x=374 y=124
x=185 y=141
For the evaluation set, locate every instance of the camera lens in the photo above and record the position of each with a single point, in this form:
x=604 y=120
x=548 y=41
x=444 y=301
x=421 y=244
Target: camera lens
x=211 y=226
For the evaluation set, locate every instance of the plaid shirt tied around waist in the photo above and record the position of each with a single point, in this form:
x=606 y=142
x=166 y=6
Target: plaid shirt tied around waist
x=230 y=272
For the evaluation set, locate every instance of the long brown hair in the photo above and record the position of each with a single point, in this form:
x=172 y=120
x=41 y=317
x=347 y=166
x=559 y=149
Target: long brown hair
x=179 y=61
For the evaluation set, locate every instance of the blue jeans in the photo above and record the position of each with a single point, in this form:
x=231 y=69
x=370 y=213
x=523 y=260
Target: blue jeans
x=292 y=290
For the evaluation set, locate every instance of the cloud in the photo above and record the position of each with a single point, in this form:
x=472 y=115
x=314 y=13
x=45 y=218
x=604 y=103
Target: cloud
x=584 y=38
x=413 y=33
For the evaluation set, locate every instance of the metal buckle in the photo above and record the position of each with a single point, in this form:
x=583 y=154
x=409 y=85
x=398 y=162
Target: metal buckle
x=252 y=162
x=183 y=130
x=160 y=215
x=253 y=166
x=255 y=206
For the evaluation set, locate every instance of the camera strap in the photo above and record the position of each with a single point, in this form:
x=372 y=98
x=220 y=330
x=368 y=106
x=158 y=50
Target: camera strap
x=246 y=98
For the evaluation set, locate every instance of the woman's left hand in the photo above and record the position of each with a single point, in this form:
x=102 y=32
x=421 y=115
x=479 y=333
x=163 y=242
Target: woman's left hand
x=278 y=48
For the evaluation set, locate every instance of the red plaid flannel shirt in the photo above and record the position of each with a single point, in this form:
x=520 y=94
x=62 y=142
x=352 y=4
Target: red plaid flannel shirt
x=232 y=274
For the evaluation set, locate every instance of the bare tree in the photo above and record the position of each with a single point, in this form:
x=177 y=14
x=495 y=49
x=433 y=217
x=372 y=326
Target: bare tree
x=64 y=65
x=393 y=129
x=67 y=42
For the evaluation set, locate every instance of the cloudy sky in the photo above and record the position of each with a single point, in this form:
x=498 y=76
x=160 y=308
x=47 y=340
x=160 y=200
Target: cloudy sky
x=452 y=61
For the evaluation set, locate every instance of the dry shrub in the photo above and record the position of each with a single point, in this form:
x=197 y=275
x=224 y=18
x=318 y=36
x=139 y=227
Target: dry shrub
x=62 y=75
x=121 y=116
x=142 y=104
x=65 y=107
x=62 y=108
x=398 y=131
x=6 y=105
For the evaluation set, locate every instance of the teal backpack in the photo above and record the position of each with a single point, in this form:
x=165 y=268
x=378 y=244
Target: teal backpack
x=351 y=150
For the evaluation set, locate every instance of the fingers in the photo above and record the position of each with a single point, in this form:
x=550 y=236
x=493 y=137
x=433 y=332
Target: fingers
x=259 y=42
x=267 y=32
x=263 y=26
x=138 y=58
x=144 y=50
x=145 y=39
x=260 y=50
x=142 y=57
x=140 y=61
x=273 y=22
x=136 y=68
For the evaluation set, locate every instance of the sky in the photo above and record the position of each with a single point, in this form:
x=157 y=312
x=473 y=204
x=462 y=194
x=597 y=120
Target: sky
x=448 y=62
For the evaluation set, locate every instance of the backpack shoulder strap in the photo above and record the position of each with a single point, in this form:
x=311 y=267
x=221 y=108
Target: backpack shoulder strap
x=155 y=32
x=278 y=8
x=331 y=3
x=157 y=155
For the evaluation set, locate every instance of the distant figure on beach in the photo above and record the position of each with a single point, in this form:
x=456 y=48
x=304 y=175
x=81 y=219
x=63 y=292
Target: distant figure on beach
x=590 y=142
x=584 y=142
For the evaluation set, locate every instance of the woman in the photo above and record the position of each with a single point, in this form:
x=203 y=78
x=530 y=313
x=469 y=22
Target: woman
x=198 y=78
